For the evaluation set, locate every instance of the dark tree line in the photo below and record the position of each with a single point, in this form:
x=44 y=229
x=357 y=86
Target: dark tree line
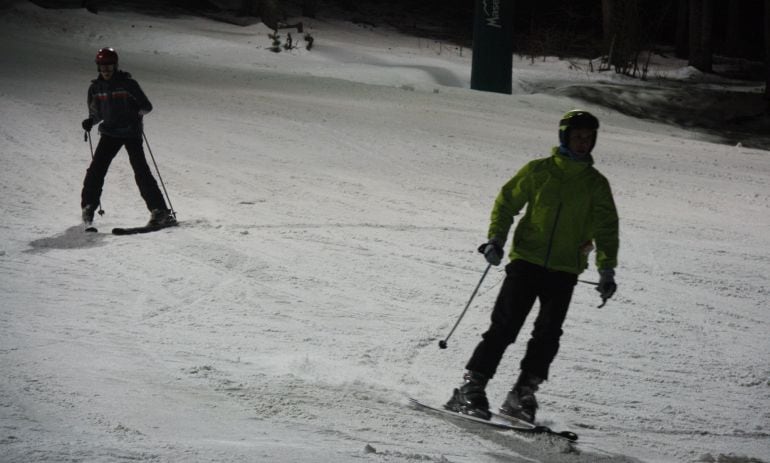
x=619 y=30
x=699 y=29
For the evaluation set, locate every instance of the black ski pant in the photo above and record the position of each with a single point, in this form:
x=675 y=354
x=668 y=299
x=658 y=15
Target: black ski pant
x=524 y=282
x=105 y=152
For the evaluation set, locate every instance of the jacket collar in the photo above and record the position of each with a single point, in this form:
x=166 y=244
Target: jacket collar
x=566 y=152
x=118 y=75
x=567 y=164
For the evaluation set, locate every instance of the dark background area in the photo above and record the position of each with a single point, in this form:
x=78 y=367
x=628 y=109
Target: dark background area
x=541 y=27
x=730 y=43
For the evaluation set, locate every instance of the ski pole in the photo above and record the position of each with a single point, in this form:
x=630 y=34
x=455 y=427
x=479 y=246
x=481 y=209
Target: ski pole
x=442 y=343
x=87 y=137
x=173 y=213
x=604 y=299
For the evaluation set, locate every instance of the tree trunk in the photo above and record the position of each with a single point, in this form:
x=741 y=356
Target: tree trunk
x=733 y=36
x=767 y=56
x=607 y=29
x=701 y=42
x=696 y=17
x=682 y=48
x=309 y=8
x=707 y=37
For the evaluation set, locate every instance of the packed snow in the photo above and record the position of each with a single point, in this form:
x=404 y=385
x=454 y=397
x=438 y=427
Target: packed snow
x=331 y=202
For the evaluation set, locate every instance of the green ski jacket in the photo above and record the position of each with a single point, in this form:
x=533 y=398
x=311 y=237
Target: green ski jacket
x=569 y=205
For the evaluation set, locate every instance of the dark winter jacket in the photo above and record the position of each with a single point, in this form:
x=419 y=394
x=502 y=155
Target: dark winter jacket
x=569 y=204
x=119 y=104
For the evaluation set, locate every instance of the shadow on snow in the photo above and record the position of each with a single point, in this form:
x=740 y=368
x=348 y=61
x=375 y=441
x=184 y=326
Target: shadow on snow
x=72 y=238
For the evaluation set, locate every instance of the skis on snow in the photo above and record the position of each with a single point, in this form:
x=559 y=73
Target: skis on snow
x=497 y=421
x=89 y=228
x=143 y=229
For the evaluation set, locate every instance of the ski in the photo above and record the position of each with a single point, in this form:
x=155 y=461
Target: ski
x=91 y=229
x=143 y=229
x=497 y=421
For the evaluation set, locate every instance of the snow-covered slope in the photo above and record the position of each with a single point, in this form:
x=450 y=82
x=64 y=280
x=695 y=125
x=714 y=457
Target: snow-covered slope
x=331 y=202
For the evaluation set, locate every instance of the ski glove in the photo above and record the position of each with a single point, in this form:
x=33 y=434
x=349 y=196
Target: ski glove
x=88 y=124
x=606 y=286
x=493 y=251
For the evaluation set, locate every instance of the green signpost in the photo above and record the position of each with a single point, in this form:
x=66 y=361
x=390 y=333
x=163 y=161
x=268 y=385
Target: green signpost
x=492 y=46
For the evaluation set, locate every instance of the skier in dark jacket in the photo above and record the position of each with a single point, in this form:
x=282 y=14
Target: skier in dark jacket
x=569 y=208
x=117 y=101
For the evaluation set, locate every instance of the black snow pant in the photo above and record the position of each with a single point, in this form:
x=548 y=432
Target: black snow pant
x=525 y=282
x=105 y=152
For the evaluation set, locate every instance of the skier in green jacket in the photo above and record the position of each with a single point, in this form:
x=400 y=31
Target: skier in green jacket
x=569 y=211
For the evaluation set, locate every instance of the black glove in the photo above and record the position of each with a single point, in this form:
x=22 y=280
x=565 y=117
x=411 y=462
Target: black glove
x=606 y=286
x=88 y=124
x=493 y=251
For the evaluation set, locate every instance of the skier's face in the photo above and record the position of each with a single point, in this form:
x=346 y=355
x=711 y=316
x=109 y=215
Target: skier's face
x=106 y=70
x=581 y=141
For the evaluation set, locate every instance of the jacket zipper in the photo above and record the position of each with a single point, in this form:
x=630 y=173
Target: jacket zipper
x=550 y=240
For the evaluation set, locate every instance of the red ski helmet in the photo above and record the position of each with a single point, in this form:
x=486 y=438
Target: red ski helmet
x=107 y=55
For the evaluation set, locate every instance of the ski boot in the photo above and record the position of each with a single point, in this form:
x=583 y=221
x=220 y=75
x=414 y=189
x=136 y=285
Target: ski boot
x=470 y=398
x=520 y=403
x=88 y=216
x=161 y=218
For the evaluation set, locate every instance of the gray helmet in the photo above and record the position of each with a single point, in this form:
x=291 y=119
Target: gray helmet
x=576 y=119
